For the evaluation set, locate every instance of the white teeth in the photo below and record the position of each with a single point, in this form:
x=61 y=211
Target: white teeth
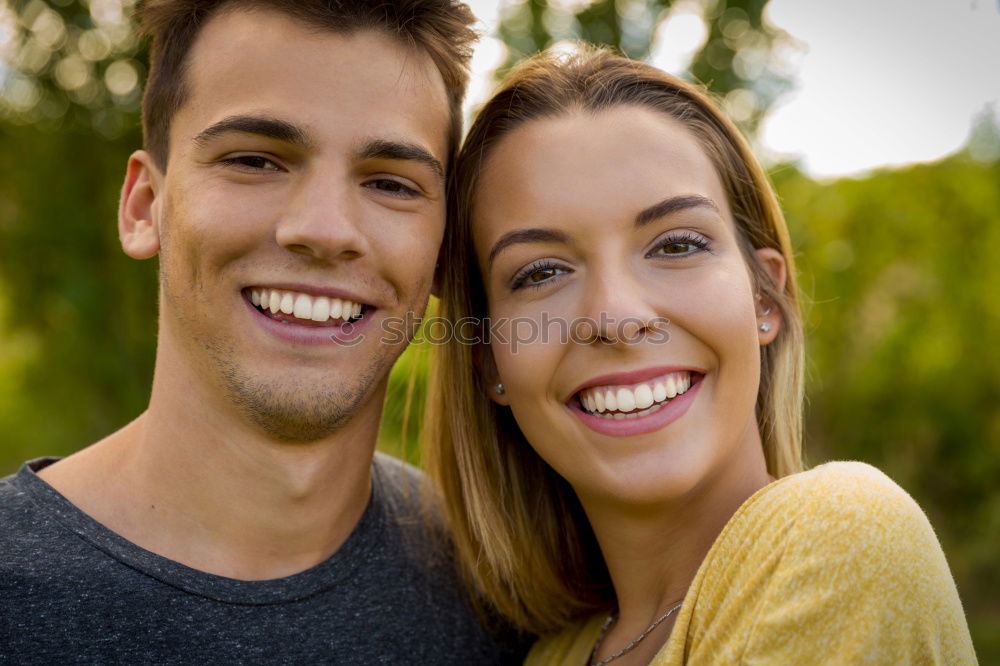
x=643 y=396
x=303 y=308
x=335 y=306
x=347 y=311
x=636 y=400
x=321 y=309
x=626 y=401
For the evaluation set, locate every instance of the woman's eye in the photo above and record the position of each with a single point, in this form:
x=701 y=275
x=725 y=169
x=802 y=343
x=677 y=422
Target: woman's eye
x=676 y=248
x=536 y=276
x=542 y=274
x=251 y=163
x=679 y=247
x=393 y=188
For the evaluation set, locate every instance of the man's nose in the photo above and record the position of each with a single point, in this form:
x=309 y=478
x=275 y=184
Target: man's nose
x=324 y=220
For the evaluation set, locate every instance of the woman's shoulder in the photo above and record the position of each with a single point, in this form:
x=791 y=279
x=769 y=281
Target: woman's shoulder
x=853 y=494
x=839 y=556
x=840 y=521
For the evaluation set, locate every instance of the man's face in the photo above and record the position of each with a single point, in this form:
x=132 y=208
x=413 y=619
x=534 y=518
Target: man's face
x=305 y=168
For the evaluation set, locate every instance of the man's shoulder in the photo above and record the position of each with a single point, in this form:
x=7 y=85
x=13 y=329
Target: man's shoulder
x=399 y=473
x=409 y=503
x=17 y=509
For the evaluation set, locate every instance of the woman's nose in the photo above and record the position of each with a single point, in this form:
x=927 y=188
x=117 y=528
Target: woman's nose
x=617 y=309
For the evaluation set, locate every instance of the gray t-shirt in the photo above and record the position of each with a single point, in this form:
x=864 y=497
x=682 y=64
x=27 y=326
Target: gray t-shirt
x=73 y=591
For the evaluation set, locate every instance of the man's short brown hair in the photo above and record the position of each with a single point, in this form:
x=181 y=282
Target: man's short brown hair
x=442 y=28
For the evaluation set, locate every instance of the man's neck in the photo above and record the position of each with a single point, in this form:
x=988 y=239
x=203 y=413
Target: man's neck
x=215 y=494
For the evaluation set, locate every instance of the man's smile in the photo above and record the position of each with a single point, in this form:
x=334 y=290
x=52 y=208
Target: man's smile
x=296 y=307
x=309 y=315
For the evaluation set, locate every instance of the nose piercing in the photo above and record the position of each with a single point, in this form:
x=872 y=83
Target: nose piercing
x=499 y=388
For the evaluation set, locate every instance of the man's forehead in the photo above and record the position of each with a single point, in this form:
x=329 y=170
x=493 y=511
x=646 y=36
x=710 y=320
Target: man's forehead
x=326 y=80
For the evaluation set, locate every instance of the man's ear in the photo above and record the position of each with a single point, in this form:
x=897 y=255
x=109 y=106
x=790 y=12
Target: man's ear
x=486 y=367
x=768 y=316
x=138 y=215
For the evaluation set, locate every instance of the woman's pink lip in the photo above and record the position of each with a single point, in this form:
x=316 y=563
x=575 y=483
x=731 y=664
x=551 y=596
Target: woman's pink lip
x=345 y=335
x=633 y=377
x=661 y=418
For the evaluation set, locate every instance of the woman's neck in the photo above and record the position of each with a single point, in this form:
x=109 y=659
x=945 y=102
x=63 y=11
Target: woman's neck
x=654 y=551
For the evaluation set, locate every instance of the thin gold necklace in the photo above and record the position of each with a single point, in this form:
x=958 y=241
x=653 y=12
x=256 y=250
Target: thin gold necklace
x=628 y=648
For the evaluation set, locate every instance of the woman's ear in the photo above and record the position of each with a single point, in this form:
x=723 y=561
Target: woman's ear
x=138 y=223
x=768 y=315
x=482 y=357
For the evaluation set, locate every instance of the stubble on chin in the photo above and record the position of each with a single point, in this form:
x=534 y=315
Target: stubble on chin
x=290 y=412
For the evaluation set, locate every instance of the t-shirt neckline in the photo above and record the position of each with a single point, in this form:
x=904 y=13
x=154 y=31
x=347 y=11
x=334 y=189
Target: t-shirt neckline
x=311 y=582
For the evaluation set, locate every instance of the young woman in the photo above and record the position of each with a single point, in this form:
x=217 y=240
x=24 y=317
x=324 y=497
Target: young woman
x=620 y=450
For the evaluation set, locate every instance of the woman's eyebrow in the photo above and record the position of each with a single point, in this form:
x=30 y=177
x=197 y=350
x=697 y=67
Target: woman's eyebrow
x=672 y=205
x=526 y=236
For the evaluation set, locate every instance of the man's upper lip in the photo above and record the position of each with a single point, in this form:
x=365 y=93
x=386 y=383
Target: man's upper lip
x=633 y=376
x=315 y=290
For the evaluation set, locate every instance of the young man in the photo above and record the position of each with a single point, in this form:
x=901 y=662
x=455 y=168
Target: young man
x=293 y=187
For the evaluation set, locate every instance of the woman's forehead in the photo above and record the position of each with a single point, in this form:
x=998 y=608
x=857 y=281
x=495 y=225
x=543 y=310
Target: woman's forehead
x=607 y=165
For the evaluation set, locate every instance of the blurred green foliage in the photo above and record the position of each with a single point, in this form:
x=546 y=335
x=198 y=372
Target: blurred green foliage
x=901 y=268
x=737 y=60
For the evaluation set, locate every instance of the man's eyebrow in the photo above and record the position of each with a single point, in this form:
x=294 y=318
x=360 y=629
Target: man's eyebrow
x=272 y=128
x=672 y=205
x=383 y=149
x=526 y=236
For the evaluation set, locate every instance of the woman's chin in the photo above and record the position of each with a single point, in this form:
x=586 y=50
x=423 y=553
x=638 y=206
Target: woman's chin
x=643 y=477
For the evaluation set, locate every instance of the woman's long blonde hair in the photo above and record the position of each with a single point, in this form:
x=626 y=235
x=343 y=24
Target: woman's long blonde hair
x=522 y=541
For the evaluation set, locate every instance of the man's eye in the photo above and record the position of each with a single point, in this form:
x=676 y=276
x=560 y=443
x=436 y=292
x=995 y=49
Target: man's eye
x=251 y=163
x=393 y=187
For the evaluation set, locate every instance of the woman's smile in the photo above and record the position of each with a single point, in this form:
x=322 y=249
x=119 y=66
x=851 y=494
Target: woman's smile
x=637 y=402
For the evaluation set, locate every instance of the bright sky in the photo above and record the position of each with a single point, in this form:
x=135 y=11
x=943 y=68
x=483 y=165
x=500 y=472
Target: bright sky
x=877 y=82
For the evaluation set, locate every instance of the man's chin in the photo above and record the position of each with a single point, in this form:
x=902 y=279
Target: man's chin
x=296 y=413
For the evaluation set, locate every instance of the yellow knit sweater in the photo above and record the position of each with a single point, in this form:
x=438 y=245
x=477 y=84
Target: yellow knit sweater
x=836 y=565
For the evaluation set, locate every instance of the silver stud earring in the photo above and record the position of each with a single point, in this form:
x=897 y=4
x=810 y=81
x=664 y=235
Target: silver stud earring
x=499 y=388
x=764 y=326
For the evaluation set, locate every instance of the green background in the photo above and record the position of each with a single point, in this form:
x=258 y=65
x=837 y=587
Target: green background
x=900 y=268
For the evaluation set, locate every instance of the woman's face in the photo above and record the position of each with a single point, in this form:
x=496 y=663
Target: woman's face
x=626 y=324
